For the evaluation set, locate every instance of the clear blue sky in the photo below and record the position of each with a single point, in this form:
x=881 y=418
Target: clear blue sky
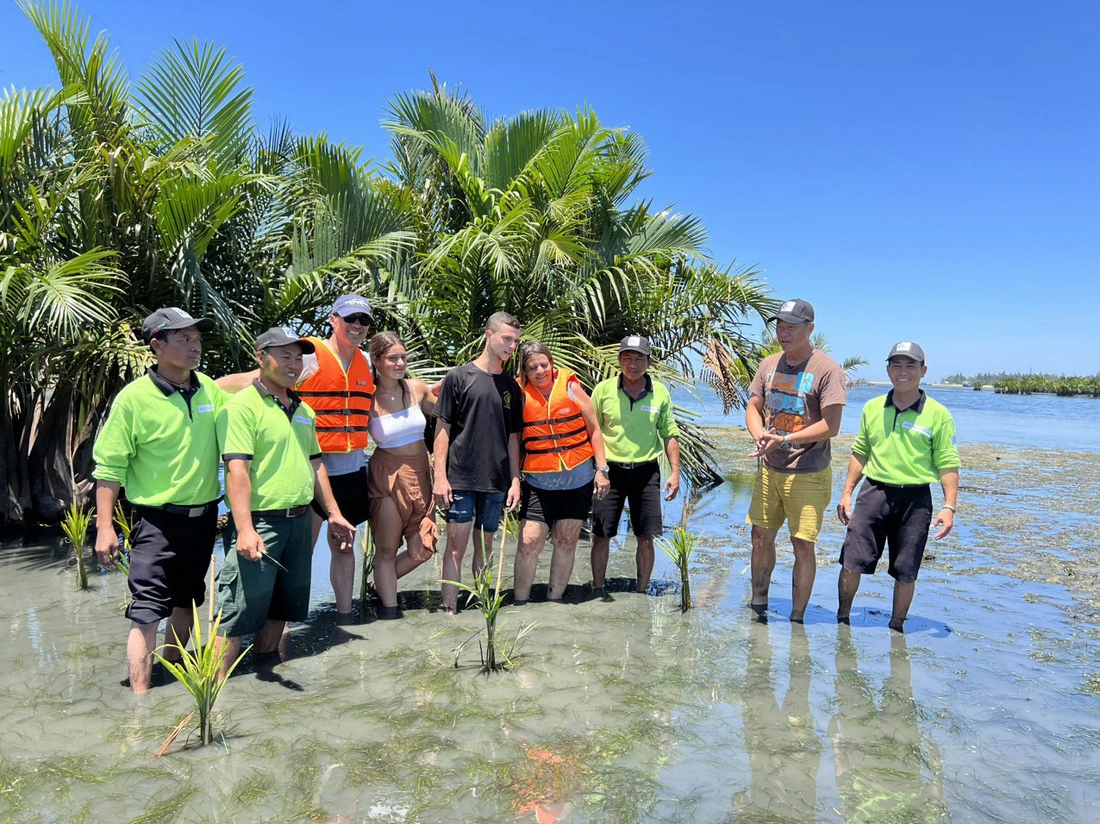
x=924 y=170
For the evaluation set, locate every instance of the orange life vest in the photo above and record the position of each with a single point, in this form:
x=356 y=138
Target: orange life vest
x=342 y=400
x=554 y=433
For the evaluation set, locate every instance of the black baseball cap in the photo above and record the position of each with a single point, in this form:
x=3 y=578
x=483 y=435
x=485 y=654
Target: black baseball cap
x=906 y=349
x=172 y=317
x=281 y=336
x=794 y=311
x=636 y=343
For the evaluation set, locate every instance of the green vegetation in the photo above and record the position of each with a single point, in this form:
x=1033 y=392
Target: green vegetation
x=1015 y=383
x=200 y=674
x=119 y=196
x=366 y=546
x=679 y=548
x=75 y=525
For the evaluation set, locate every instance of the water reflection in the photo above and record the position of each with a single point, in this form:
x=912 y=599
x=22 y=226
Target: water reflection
x=885 y=771
x=783 y=748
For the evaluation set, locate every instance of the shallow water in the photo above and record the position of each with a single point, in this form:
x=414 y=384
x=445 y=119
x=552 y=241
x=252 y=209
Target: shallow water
x=986 y=710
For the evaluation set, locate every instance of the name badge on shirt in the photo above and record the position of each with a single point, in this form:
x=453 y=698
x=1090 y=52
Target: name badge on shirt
x=651 y=409
x=206 y=407
x=921 y=429
x=302 y=419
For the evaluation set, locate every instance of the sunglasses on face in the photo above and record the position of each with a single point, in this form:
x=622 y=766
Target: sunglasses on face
x=362 y=320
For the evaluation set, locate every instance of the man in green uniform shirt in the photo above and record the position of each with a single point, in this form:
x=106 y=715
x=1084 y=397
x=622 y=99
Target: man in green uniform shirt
x=159 y=443
x=906 y=442
x=273 y=466
x=635 y=416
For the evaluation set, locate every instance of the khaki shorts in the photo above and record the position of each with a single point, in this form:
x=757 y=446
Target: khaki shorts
x=800 y=498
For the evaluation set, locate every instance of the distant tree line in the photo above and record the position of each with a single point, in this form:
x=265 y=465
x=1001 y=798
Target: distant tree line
x=1015 y=383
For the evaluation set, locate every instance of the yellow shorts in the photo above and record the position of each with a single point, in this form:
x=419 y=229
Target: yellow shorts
x=800 y=498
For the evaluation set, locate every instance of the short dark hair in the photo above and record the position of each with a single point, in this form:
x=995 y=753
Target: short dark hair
x=499 y=319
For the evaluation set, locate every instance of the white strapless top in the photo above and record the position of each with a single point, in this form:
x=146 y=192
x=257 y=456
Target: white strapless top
x=398 y=429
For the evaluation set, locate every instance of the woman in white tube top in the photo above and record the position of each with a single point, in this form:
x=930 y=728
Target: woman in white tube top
x=400 y=480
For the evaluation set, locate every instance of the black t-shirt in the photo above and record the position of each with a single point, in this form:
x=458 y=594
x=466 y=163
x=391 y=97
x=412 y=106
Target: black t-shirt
x=483 y=410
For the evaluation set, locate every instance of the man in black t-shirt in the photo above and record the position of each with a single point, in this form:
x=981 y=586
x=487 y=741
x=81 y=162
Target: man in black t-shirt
x=479 y=417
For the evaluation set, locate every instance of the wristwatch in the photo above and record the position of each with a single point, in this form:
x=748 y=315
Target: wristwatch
x=604 y=469
x=786 y=444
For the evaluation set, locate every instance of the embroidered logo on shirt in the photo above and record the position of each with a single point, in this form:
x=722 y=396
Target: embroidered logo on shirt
x=302 y=419
x=506 y=399
x=206 y=407
x=921 y=429
x=651 y=409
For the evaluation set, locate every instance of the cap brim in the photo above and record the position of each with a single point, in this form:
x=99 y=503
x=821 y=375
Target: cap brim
x=906 y=356
x=202 y=324
x=634 y=349
x=787 y=318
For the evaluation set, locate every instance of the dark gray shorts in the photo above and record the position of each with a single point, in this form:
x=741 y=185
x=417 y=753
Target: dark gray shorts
x=883 y=516
x=637 y=486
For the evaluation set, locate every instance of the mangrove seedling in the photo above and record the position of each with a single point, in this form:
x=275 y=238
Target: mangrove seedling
x=200 y=673
x=126 y=530
x=488 y=602
x=75 y=526
x=679 y=548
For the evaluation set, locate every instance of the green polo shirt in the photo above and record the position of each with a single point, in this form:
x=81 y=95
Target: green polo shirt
x=908 y=446
x=280 y=443
x=160 y=443
x=634 y=430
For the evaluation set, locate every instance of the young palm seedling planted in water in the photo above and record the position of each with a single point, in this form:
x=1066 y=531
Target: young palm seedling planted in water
x=486 y=597
x=200 y=673
x=366 y=545
x=679 y=548
x=75 y=526
x=126 y=529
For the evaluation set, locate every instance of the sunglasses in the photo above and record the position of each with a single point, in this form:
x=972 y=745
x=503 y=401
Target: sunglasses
x=362 y=320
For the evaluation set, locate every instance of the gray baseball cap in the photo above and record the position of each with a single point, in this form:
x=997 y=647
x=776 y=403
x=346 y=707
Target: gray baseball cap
x=281 y=336
x=794 y=311
x=906 y=349
x=172 y=317
x=352 y=305
x=636 y=343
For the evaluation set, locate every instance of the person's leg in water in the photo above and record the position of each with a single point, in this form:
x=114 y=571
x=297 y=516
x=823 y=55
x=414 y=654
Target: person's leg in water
x=802 y=579
x=567 y=532
x=763 y=564
x=532 y=540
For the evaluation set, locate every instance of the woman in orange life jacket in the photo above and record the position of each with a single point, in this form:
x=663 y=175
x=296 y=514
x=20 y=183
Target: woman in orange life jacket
x=563 y=463
x=399 y=480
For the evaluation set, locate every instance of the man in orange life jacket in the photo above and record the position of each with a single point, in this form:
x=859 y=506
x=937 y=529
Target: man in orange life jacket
x=337 y=384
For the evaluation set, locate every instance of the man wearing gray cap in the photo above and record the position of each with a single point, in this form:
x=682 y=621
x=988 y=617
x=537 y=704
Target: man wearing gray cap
x=273 y=471
x=796 y=401
x=336 y=382
x=160 y=444
x=635 y=416
x=906 y=442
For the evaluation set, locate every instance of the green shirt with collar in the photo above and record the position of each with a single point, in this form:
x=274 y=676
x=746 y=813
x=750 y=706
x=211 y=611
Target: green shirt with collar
x=906 y=446
x=634 y=431
x=279 y=441
x=160 y=443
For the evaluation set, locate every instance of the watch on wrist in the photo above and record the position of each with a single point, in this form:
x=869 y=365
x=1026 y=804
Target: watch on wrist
x=786 y=443
x=604 y=469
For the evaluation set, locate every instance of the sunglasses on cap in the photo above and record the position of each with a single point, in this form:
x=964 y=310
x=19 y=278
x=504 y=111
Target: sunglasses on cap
x=361 y=319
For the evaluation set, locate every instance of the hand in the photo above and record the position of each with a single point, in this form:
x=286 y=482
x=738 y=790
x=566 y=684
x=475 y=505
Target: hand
x=945 y=520
x=672 y=485
x=341 y=534
x=603 y=485
x=768 y=442
x=513 y=495
x=106 y=546
x=250 y=545
x=441 y=489
x=844 y=508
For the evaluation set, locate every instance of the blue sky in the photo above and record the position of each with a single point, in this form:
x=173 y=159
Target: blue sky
x=923 y=170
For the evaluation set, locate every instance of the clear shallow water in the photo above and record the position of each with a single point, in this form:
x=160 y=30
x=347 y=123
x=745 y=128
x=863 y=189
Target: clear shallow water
x=986 y=710
x=1044 y=421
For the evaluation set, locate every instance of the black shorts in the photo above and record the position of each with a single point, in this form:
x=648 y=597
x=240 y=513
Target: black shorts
x=350 y=492
x=888 y=515
x=169 y=558
x=546 y=506
x=638 y=487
